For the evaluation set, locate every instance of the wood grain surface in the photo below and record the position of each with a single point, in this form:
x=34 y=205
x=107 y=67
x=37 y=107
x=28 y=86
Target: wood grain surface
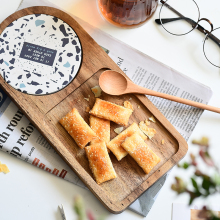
x=194 y=214
x=45 y=111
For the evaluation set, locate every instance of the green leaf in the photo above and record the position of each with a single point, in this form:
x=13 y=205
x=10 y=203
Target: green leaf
x=206 y=184
x=101 y=218
x=217 y=179
x=79 y=208
x=195 y=185
x=185 y=165
x=204 y=141
x=191 y=200
x=194 y=195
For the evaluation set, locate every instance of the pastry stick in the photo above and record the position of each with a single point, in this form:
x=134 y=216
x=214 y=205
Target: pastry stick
x=115 y=144
x=100 y=162
x=77 y=128
x=140 y=152
x=102 y=129
x=110 y=111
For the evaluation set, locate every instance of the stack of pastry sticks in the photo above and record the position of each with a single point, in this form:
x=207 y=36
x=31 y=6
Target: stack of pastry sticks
x=130 y=141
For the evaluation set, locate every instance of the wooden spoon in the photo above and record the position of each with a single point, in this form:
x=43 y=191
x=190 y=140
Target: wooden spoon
x=114 y=83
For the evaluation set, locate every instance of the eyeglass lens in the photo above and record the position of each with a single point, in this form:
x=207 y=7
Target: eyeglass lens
x=181 y=22
x=211 y=47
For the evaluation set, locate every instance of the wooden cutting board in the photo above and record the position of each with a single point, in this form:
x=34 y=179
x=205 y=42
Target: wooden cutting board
x=45 y=111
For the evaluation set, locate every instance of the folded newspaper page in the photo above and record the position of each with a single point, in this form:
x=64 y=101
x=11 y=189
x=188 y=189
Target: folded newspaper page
x=19 y=138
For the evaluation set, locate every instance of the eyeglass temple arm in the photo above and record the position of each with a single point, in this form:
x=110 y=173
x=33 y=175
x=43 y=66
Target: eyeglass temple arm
x=193 y=23
x=167 y=20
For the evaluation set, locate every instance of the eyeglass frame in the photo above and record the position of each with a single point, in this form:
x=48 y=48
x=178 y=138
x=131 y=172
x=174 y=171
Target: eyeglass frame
x=194 y=24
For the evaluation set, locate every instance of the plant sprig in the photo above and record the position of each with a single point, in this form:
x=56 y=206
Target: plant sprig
x=202 y=184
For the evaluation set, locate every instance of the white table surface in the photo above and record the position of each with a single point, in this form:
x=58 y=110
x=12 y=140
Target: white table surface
x=30 y=193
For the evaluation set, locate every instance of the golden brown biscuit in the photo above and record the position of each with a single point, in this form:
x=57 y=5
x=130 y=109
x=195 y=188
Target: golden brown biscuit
x=140 y=152
x=77 y=128
x=110 y=111
x=102 y=129
x=100 y=162
x=115 y=144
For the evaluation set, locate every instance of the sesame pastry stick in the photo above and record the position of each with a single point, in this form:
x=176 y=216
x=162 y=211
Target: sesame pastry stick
x=111 y=111
x=77 y=128
x=102 y=129
x=115 y=144
x=140 y=152
x=100 y=162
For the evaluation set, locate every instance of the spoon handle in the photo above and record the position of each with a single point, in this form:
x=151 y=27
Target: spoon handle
x=177 y=99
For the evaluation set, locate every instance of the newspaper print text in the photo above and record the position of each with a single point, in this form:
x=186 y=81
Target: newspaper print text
x=10 y=128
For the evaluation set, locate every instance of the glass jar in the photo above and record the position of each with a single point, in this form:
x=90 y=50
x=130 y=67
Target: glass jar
x=127 y=13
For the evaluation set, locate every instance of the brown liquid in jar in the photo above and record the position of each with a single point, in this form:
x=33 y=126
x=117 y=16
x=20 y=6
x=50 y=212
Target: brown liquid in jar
x=127 y=13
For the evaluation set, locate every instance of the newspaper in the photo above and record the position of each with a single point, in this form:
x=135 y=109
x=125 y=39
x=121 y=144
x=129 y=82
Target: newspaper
x=19 y=138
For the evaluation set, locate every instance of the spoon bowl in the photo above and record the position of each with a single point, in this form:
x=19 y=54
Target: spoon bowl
x=114 y=83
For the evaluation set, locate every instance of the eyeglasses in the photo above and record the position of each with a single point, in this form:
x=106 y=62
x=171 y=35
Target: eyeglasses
x=187 y=13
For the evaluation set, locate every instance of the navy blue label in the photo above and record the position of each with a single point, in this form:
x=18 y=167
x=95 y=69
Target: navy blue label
x=3 y=97
x=38 y=54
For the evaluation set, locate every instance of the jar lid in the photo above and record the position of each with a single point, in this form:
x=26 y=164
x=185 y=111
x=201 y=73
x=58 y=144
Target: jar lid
x=39 y=54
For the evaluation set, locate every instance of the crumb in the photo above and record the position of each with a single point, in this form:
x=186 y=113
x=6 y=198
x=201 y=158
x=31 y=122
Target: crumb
x=147 y=122
x=150 y=132
x=87 y=109
x=88 y=95
x=4 y=168
x=78 y=101
x=163 y=141
x=127 y=104
x=138 y=106
x=152 y=119
x=118 y=130
x=87 y=99
x=130 y=99
x=97 y=91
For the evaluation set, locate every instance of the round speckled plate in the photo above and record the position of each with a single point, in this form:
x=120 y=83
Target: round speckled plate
x=39 y=54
